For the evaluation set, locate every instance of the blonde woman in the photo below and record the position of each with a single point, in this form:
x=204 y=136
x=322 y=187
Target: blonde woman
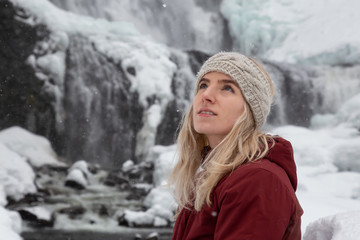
x=232 y=181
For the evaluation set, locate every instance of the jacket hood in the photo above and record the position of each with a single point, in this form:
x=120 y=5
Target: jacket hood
x=282 y=154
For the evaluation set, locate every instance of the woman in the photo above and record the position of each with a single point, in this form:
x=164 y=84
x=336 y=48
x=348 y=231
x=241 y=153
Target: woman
x=232 y=181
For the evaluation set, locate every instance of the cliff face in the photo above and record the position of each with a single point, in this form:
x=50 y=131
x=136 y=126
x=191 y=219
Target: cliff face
x=23 y=101
x=62 y=87
x=102 y=115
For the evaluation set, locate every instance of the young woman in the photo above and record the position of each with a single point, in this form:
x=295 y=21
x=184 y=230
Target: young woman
x=232 y=181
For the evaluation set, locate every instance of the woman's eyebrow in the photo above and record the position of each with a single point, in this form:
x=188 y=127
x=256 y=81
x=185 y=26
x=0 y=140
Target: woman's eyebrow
x=229 y=81
x=204 y=80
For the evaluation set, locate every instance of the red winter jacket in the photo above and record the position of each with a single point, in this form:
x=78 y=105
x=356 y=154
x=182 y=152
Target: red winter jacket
x=256 y=201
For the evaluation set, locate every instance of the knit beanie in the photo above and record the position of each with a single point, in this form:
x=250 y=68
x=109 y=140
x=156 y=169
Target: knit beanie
x=254 y=84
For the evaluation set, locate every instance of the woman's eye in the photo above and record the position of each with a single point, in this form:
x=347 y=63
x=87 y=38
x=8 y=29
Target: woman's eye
x=228 y=88
x=202 y=86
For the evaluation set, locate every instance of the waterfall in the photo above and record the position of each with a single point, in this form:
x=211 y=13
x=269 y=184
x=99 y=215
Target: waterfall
x=169 y=22
x=102 y=114
x=303 y=91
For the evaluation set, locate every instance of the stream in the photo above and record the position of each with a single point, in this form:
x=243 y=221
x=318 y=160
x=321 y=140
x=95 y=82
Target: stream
x=127 y=234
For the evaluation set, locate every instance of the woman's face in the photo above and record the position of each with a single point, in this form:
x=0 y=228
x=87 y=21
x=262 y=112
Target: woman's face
x=217 y=105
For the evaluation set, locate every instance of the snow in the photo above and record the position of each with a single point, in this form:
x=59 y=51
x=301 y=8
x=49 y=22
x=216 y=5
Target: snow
x=164 y=160
x=296 y=31
x=40 y=212
x=138 y=218
x=16 y=175
x=335 y=85
x=171 y=23
x=338 y=227
x=81 y=165
x=328 y=170
x=54 y=17
x=19 y=151
x=349 y=113
x=161 y=208
x=76 y=175
x=3 y=200
x=128 y=165
x=10 y=224
x=160 y=222
x=85 y=223
x=119 y=41
x=159 y=202
x=34 y=148
x=146 y=136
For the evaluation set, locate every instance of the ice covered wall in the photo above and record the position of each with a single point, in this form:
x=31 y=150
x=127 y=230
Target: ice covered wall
x=108 y=87
x=292 y=32
x=321 y=32
x=184 y=24
x=26 y=98
x=303 y=90
x=102 y=115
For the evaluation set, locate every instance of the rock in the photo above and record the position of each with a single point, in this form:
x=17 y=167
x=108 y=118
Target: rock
x=121 y=219
x=135 y=219
x=76 y=179
x=117 y=179
x=138 y=237
x=143 y=172
x=103 y=211
x=28 y=199
x=128 y=165
x=152 y=236
x=37 y=216
x=81 y=165
x=137 y=193
x=73 y=212
x=160 y=222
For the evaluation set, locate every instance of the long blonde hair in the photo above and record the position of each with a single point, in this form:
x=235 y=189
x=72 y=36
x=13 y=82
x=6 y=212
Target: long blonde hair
x=244 y=143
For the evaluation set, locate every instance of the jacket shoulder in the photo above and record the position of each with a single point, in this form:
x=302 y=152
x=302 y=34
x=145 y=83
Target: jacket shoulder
x=262 y=174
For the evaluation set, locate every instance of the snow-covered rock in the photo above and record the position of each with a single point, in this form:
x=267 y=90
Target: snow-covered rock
x=128 y=165
x=337 y=227
x=33 y=147
x=10 y=224
x=37 y=216
x=81 y=165
x=349 y=112
x=136 y=218
x=161 y=202
x=16 y=175
x=3 y=200
x=163 y=158
x=76 y=179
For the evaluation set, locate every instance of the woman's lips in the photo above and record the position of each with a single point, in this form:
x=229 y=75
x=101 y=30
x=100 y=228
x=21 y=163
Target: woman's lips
x=206 y=112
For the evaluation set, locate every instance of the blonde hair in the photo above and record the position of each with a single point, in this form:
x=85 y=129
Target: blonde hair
x=244 y=143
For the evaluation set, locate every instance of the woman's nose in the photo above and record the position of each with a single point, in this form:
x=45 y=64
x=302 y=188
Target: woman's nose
x=208 y=95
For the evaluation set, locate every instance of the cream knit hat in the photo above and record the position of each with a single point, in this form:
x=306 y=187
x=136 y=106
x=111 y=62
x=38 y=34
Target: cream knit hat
x=254 y=84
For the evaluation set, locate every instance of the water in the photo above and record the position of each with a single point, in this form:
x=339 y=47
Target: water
x=128 y=234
